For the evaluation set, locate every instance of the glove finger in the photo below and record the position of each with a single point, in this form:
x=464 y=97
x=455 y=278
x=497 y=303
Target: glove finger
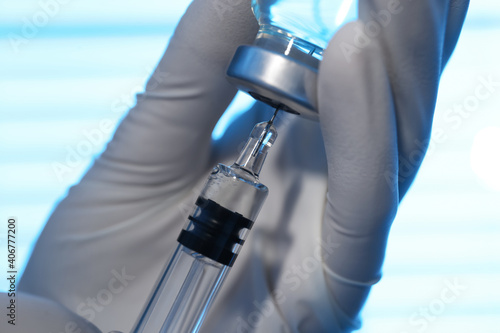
x=411 y=36
x=377 y=92
x=166 y=137
x=359 y=127
x=456 y=18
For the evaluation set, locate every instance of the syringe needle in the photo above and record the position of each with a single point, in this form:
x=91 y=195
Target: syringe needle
x=258 y=147
x=274 y=116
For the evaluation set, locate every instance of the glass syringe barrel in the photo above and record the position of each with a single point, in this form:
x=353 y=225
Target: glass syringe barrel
x=183 y=293
x=210 y=241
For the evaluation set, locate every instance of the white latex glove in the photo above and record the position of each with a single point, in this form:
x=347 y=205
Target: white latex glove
x=376 y=108
x=108 y=240
x=36 y=314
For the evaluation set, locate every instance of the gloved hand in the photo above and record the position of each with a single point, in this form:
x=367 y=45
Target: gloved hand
x=36 y=314
x=377 y=93
x=108 y=240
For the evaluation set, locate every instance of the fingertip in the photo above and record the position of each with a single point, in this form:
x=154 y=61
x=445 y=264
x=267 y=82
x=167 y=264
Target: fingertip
x=358 y=124
x=215 y=28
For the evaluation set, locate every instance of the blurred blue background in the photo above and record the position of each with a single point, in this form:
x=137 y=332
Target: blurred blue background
x=87 y=59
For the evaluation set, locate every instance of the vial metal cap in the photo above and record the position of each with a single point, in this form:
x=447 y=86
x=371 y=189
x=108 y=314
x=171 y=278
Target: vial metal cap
x=284 y=82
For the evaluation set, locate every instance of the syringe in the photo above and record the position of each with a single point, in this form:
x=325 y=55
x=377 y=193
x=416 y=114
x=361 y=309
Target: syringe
x=211 y=240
